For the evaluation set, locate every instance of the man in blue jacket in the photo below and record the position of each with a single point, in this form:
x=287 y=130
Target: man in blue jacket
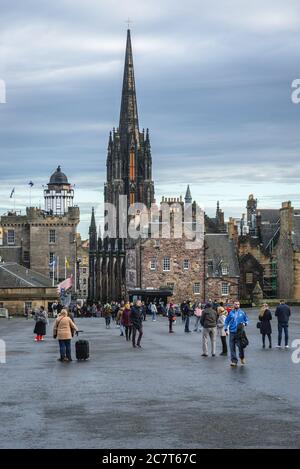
x=235 y=318
x=283 y=313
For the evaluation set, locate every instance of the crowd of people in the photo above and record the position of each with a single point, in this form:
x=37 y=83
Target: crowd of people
x=214 y=319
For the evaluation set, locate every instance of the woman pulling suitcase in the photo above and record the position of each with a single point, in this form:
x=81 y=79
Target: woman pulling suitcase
x=63 y=330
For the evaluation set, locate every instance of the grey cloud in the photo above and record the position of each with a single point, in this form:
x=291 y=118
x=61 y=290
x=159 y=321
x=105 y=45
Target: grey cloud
x=213 y=82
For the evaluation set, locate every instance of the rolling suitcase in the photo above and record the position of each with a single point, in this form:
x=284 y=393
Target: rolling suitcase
x=82 y=349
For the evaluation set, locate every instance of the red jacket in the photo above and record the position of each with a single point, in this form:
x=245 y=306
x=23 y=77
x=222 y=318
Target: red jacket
x=125 y=320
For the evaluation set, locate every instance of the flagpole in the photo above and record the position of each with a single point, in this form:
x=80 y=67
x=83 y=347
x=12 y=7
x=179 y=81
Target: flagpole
x=29 y=195
x=57 y=270
x=14 y=201
x=53 y=272
x=65 y=267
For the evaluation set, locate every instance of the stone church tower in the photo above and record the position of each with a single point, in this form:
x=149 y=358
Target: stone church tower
x=129 y=173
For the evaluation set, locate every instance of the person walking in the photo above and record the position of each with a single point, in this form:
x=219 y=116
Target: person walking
x=41 y=321
x=222 y=314
x=153 y=310
x=234 y=321
x=209 y=324
x=189 y=311
x=265 y=316
x=136 y=317
x=126 y=321
x=198 y=313
x=107 y=313
x=119 y=318
x=283 y=314
x=171 y=317
x=63 y=330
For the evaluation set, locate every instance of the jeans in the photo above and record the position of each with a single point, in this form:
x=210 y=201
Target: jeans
x=224 y=344
x=128 y=331
x=153 y=316
x=264 y=339
x=187 y=324
x=211 y=333
x=234 y=341
x=65 y=349
x=171 y=324
x=284 y=326
x=140 y=331
x=107 y=321
x=197 y=324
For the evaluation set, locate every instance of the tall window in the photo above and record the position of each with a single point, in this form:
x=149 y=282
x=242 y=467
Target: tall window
x=84 y=270
x=52 y=236
x=153 y=264
x=132 y=166
x=84 y=281
x=11 y=238
x=51 y=257
x=166 y=264
x=224 y=270
x=197 y=288
x=186 y=264
x=225 y=289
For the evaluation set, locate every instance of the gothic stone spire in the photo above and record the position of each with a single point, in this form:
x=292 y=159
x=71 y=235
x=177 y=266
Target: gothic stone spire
x=129 y=122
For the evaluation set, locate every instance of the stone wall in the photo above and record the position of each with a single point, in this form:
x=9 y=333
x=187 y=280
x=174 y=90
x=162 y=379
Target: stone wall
x=14 y=298
x=183 y=280
x=32 y=236
x=214 y=288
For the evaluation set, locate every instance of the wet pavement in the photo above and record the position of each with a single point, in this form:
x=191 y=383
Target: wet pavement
x=162 y=396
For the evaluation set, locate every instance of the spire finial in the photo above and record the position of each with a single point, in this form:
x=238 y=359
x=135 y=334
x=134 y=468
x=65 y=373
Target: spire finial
x=129 y=22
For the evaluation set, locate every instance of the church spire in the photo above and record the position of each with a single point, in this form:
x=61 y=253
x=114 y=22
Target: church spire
x=188 y=196
x=93 y=233
x=129 y=122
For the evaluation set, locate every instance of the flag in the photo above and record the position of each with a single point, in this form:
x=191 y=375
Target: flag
x=12 y=193
x=30 y=183
x=66 y=284
x=67 y=262
x=53 y=262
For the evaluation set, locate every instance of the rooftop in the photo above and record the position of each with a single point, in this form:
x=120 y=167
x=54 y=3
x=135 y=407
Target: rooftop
x=13 y=275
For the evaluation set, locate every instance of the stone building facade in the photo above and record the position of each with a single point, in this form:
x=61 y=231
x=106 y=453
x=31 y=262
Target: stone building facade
x=40 y=240
x=167 y=263
x=258 y=236
x=288 y=253
x=222 y=272
x=22 y=288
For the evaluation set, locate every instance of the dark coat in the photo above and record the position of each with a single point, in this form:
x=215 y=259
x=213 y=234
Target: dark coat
x=266 y=319
x=126 y=318
x=136 y=317
x=209 y=318
x=283 y=313
x=40 y=328
x=41 y=320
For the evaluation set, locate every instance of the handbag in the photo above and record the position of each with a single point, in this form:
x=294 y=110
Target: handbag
x=258 y=324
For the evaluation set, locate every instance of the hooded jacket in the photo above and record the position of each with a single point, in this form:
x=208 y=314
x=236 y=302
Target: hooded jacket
x=234 y=318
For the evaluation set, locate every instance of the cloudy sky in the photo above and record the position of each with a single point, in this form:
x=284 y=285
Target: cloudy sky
x=213 y=82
